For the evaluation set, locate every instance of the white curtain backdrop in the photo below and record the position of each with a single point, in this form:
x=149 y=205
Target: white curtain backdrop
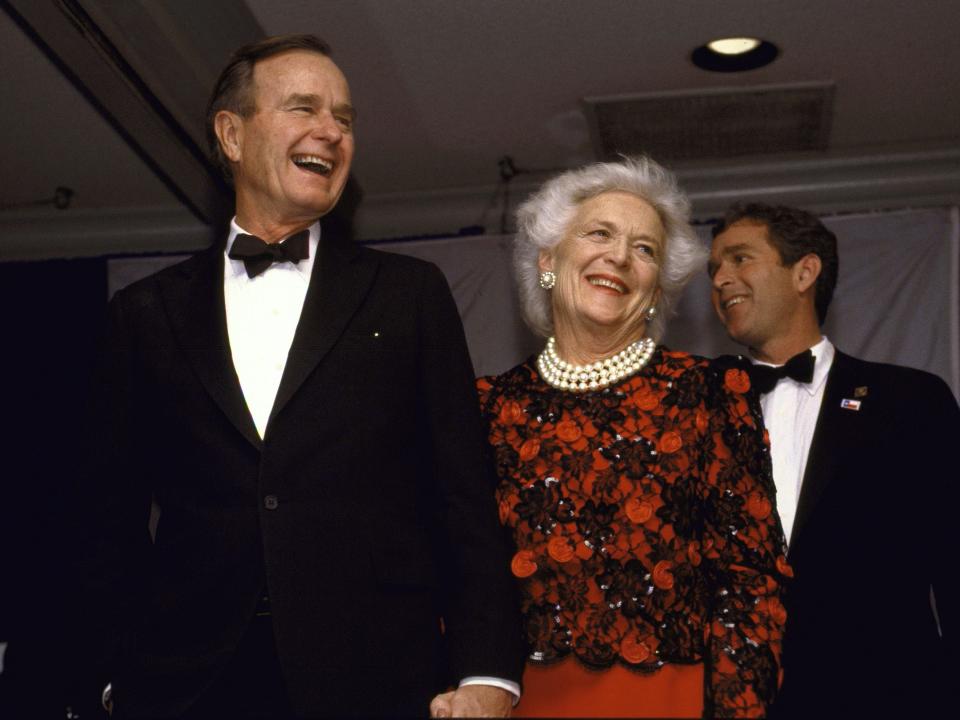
x=897 y=299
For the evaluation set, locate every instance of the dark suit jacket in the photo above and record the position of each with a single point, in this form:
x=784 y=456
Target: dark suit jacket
x=874 y=530
x=367 y=510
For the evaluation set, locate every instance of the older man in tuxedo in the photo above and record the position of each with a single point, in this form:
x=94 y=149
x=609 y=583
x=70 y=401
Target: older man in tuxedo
x=301 y=410
x=866 y=484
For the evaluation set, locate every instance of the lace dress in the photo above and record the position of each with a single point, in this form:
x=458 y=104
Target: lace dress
x=649 y=553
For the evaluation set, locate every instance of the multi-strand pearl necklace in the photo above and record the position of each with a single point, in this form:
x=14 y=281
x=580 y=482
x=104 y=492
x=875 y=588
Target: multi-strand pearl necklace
x=600 y=374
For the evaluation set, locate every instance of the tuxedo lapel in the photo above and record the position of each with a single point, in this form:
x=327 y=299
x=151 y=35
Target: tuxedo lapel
x=337 y=289
x=195 y=306
x=828 y=444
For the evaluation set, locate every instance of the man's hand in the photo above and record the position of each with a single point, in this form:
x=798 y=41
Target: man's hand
x=472 y=701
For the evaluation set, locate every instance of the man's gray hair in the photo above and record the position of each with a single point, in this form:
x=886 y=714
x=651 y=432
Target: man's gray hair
x=543 y=220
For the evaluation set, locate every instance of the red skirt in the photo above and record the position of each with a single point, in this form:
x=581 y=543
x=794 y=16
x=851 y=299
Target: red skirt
x=567 y=689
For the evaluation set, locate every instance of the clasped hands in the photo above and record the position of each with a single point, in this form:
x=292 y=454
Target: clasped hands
x=472 y=701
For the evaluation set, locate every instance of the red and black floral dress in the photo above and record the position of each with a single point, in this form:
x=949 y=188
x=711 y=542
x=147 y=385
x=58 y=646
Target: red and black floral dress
x=648 y=544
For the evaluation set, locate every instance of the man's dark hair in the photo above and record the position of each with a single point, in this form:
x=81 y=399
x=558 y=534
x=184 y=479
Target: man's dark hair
x=794 y=233
x=233 y=90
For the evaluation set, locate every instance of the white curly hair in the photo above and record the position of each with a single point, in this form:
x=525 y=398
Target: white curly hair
x=543 y=220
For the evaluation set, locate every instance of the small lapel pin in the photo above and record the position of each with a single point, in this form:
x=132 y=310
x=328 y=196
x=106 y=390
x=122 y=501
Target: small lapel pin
x=848 y=404
x=860 y=392
x=376 y=333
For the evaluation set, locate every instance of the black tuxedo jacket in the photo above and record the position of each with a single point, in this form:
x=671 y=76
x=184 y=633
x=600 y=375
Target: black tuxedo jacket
x=874 y=531
x=366 y=511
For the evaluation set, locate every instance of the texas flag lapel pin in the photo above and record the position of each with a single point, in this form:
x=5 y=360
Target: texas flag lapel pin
x=848 y=404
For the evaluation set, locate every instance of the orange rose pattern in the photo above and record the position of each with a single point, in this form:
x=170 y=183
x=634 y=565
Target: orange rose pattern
x=737 y=380
x=670 y=442
x=560 y=549
x=523 y=564
x=644 y=520
x=634 y=651
x=662 y=575
x=639 y=511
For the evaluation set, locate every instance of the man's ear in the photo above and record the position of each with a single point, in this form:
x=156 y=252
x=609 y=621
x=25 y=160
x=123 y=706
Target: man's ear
x=545 y=261
x=806 y=271
x=229 y=129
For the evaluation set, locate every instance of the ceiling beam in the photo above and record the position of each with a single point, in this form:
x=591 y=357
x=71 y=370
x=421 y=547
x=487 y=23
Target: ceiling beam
x=148 y=68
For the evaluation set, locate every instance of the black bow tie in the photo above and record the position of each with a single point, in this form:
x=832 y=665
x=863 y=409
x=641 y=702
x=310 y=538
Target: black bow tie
x=800 y=367
x=258 y=255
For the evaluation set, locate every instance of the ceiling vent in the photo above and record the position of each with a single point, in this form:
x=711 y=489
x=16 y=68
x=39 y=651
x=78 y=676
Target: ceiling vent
x=712 y=123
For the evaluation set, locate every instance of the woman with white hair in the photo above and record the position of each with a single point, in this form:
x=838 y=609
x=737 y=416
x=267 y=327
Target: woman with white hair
x=635 y=479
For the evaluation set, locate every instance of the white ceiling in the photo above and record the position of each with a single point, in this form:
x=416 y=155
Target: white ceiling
x=444 y=88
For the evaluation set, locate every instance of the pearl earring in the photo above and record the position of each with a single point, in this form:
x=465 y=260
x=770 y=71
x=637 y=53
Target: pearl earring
x=547 y=280
x=652 y=312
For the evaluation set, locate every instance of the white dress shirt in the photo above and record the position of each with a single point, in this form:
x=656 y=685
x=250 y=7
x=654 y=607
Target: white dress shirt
x=790 y=414
x=262 y=317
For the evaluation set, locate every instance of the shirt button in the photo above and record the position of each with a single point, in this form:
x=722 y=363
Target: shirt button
x=270 y=502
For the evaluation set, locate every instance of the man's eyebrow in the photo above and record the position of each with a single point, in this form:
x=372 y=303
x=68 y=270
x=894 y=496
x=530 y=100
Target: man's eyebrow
x=712 y=265
x=347 y=109
x=313 y=100
x=739 y=247
x=302 y=99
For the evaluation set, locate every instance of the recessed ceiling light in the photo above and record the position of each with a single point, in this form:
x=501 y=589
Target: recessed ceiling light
x=734 y=54
x=733 y=45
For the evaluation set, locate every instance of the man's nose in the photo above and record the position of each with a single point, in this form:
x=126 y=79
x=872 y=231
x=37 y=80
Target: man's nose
x=327 y=128
x=721 y=276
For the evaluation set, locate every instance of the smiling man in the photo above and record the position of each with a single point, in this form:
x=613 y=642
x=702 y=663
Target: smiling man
x=301 y=411
x=865 y=476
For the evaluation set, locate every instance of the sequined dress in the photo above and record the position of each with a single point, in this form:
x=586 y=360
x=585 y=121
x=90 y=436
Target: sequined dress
x=648 y=548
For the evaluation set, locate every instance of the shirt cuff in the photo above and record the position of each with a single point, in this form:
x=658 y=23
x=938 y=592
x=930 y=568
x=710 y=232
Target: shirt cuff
x=508 y=685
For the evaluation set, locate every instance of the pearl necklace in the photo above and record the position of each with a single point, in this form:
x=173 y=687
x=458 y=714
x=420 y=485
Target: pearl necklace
x=567 y=376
